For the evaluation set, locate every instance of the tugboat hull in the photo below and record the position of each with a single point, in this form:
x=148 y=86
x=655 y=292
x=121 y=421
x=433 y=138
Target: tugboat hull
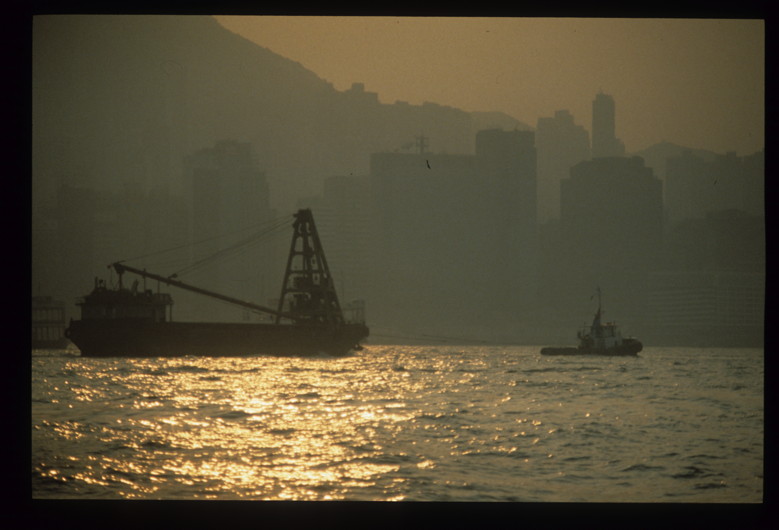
x=629 y=347
x=139 y=338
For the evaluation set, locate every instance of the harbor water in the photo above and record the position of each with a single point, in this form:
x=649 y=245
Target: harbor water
x=402 y=423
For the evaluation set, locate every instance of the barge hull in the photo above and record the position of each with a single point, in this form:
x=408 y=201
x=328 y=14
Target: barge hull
x=140 y=338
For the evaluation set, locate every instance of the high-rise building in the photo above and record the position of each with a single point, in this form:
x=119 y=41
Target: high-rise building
x=229 y=199
x=754 y=183
x=92 y=229
x=455 y=234
x=686 y=183
x=727 y=240
x=81 y=218
x=710 y=287
x=420 y=220
x=506 y=162
x=706 y=307
x=342 y=215
x=604 y=139
x=611 y=227
x=696 y=187
x=560 y=144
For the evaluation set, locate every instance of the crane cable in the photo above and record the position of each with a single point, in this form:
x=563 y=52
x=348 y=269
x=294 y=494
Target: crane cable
x=266 y=228
x=241 y=245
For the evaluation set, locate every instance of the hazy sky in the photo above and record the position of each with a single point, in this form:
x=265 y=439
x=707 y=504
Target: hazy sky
x=694 y=82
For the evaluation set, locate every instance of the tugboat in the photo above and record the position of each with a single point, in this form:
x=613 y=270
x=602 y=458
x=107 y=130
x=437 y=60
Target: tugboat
x=600 y=339
x=308 y=321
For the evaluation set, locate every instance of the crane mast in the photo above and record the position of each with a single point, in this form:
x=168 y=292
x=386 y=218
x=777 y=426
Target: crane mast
x=121 y=268
x=308 y=289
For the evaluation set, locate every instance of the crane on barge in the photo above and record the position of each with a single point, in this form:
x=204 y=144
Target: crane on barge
x=308 y=286
x=126 y=322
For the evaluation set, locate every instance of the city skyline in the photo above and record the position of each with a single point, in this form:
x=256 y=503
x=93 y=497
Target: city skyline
x=694 y=82
x=261 y=279
x=479 y=189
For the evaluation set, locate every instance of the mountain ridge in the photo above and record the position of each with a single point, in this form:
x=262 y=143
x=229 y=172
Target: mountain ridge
x=656 y=155
x=121 y=98
x=124 y=98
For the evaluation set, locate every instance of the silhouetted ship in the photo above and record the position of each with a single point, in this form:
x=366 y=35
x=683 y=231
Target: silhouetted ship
x=601 y=339
x=131 y=323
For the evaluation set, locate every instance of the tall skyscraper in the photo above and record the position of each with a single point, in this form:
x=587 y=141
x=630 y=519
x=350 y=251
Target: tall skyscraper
x=604 y=140
x=611 y=230
x=456 y=234
x=229 y=196
x=507 y=163
x=342 y=213
x=696 y=187
x=561 y=144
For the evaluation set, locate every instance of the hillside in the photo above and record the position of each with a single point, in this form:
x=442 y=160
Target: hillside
x=118 y=98
x=497 y=120
x=656 y=155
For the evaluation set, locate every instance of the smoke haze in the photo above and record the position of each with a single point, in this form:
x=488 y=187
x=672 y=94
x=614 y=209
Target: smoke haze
x=471 y=178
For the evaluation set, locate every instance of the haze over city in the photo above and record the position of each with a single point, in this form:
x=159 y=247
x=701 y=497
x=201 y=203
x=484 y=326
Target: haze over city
x=384 y=259
x=152 y=132
x=693 y=82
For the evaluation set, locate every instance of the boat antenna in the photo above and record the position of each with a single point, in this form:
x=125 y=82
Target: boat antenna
x=597 y=289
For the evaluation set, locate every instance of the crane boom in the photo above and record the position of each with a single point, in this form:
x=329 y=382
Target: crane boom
x=120 y=268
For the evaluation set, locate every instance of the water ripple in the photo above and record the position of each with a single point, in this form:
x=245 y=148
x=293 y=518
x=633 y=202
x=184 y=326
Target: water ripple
x=402 y=423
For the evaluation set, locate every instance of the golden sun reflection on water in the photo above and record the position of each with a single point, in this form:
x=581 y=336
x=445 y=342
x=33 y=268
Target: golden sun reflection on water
x=283 y=432
x=393 y=425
